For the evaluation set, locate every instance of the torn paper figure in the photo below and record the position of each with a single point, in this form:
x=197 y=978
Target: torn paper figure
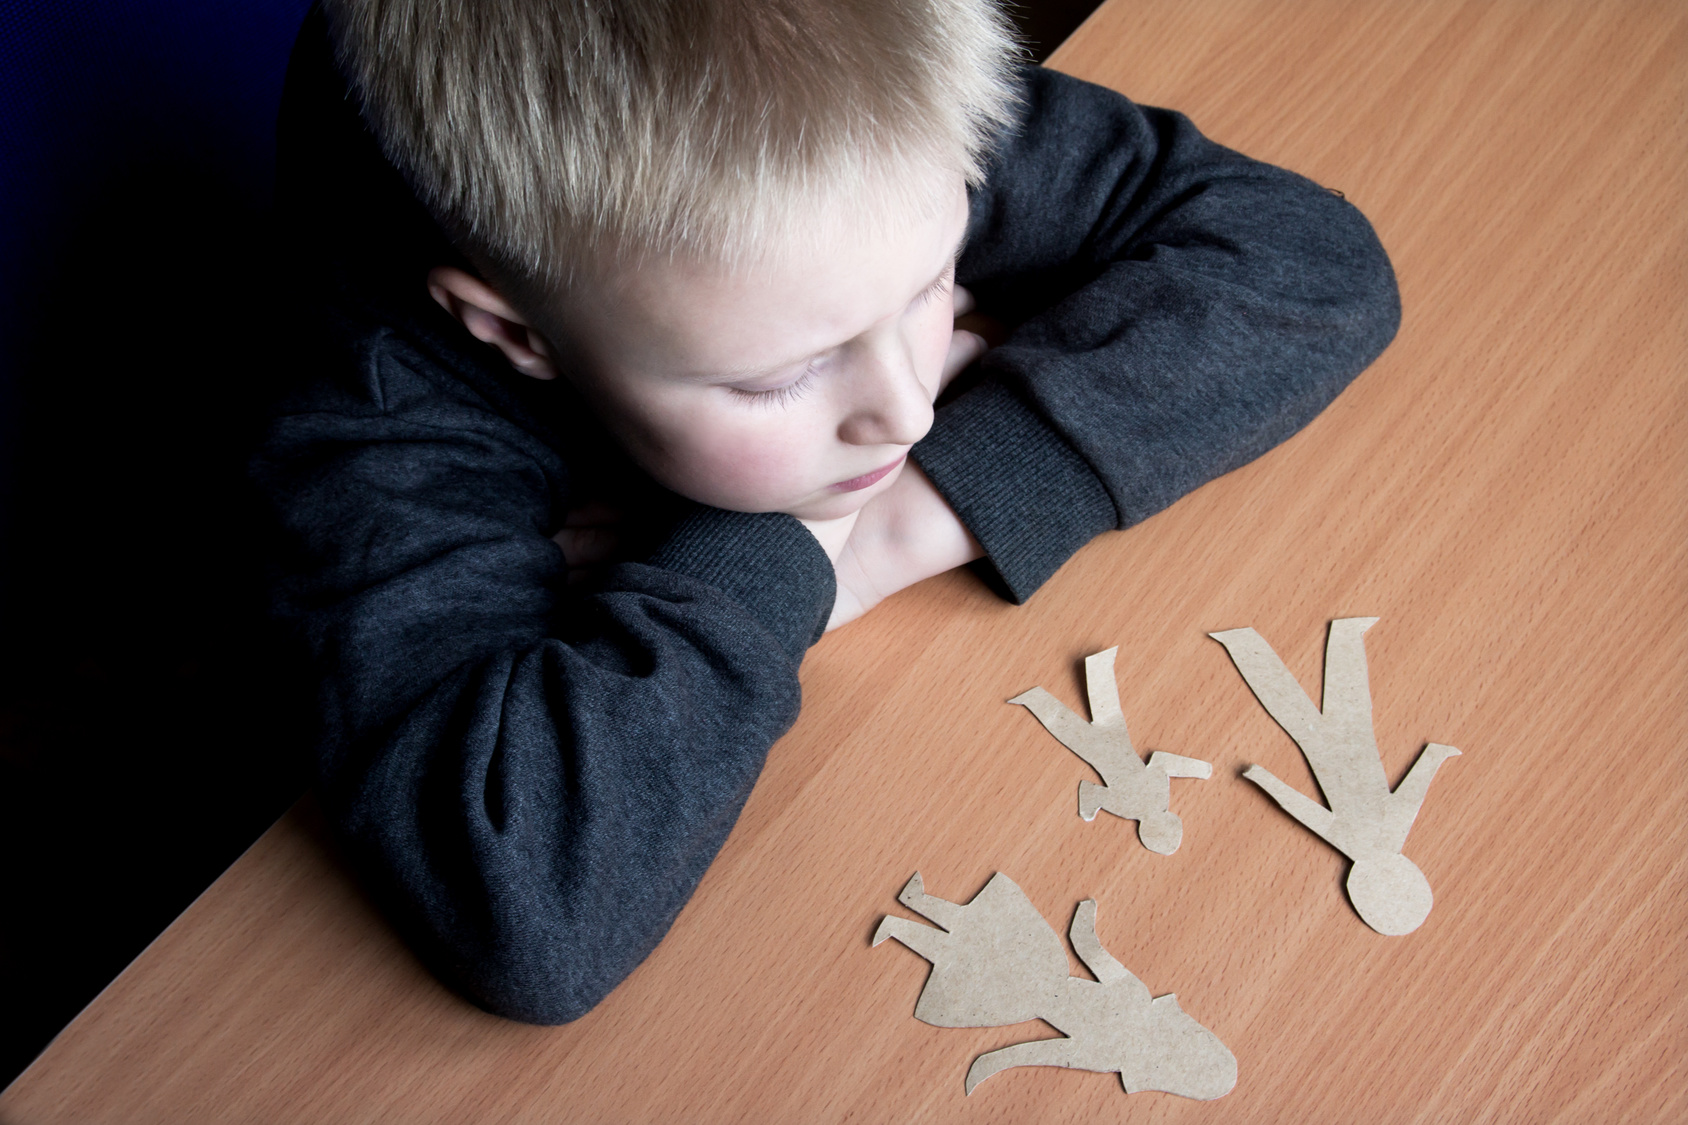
x=997 y=962
x=1365 y=821
x=1130 y=788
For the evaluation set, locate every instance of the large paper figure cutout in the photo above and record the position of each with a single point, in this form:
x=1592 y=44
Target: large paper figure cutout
x=1365 y=821
x=997 y=962
x=1130 y=788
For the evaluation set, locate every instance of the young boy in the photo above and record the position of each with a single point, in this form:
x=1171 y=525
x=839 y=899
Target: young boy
x=696 y=262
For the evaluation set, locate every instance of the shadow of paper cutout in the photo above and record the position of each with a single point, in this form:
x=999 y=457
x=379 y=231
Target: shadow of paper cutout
x=1131 y=789
x=1365 y=821
x=997 y=962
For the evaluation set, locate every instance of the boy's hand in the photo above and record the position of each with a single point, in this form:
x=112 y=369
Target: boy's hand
x=590 y=539
x=833 y=534
x=907 y=534
x=975 y=333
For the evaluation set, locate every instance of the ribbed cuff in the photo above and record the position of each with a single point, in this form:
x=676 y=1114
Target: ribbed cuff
x=765 y=561
x=1029 y=499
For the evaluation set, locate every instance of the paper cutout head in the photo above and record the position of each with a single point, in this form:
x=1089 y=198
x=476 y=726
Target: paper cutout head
x=1390 y=893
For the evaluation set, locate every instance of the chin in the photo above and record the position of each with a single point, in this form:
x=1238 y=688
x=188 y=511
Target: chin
x=816 y=506
x=833 y=507
x=825 y=504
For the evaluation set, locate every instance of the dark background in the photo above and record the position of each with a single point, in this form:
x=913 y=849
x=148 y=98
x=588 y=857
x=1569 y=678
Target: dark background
x=144 y=738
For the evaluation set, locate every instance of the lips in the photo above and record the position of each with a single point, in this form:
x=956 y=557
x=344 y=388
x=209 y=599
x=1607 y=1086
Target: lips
x=866 y=480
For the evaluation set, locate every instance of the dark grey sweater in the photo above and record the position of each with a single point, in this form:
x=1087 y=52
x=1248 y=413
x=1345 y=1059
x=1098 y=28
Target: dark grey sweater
x=531 y=782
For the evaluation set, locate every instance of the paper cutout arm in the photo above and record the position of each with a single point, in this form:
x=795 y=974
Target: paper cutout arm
x=1088 y=946
x=1408 y=797
x=1002 y=964
x=1177 y=765
x=1130 y=789
x=1310 y=813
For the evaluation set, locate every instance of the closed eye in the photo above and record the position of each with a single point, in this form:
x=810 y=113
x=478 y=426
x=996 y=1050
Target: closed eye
x=939 y=287
x=785 y=393
x=789 y=392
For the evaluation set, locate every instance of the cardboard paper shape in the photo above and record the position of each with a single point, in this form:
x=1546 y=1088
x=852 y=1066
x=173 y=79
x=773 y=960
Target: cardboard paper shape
x=1131 y=789
x=1365 y=821
x=997 y=962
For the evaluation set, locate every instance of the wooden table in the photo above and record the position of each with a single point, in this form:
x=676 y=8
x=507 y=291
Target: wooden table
x=1505 y=489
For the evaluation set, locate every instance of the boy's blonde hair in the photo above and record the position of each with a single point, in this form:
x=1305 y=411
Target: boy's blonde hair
x=544 y=133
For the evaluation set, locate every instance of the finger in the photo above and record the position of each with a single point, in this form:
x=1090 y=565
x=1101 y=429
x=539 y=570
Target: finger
x=993 y=330
x=587 y=546
x=964 y=302
x=965 y=347
x=594 y=514
x=857 y=590
x=844 y=610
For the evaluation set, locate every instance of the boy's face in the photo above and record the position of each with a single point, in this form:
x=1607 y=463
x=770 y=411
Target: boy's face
x=788 y=386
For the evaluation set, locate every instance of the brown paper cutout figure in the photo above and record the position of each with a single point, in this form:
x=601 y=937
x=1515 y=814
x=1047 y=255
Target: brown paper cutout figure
x=1130 y=788
x=997 y=962
x=1365 y=821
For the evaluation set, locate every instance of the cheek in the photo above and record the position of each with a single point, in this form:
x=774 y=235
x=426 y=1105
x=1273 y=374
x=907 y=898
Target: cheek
x=929 y=341
x=719 y=453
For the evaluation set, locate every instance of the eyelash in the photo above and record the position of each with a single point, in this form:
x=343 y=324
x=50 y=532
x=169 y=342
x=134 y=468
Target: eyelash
x=798 y=387
x=781 y=396
x=938 y=287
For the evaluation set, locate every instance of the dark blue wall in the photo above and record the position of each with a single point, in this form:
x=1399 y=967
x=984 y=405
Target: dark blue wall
x=140 y=747
x=93 y=92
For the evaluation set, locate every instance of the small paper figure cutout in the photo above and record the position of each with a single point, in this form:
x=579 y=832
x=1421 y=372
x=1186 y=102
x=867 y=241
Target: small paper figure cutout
x=1365 y=821
x=1000 y=963
x=1130 y=788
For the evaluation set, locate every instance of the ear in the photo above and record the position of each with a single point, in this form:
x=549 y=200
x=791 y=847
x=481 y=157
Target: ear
x=492 y=320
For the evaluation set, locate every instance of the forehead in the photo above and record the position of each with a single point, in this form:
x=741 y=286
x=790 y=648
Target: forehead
x=807 y=289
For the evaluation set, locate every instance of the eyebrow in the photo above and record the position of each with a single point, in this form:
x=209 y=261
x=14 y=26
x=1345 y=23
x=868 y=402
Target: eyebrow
x=739 y=374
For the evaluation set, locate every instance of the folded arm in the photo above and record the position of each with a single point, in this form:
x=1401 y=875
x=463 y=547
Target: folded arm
x=1177 y=310
x=531 y=782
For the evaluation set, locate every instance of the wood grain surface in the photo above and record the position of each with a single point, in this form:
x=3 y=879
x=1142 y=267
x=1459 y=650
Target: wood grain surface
x=1505 y=489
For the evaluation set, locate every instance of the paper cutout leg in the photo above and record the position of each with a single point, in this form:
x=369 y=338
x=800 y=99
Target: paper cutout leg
x=1131 y=789
x=1001 y=963
x=1365 y=821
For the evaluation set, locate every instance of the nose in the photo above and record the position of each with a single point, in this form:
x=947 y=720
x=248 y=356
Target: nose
x=887 y=404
